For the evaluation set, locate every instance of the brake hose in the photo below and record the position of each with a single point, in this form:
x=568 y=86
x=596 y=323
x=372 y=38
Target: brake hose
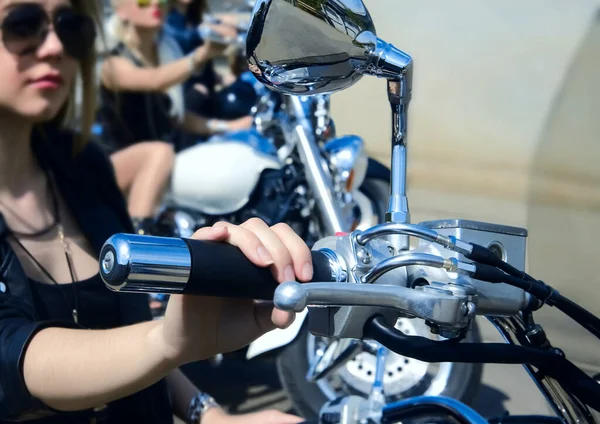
x=551 y=362
x=544 y=293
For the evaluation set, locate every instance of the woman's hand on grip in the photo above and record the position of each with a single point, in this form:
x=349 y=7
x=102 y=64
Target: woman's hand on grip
x=196 y=327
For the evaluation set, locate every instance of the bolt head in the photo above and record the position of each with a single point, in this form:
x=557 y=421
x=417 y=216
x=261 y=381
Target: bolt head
x=108 y=263
x=364 y=256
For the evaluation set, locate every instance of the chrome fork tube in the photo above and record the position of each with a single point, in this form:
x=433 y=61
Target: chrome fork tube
x=317 y=175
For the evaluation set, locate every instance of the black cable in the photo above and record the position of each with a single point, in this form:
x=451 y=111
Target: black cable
x=544 y=293
x=484 y=255
x=432 y=351
x=551 y=362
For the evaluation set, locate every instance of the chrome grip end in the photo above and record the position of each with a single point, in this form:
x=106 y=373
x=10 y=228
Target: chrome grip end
x=147 y=264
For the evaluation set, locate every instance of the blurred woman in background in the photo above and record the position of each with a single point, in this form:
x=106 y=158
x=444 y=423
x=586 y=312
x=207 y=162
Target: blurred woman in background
x=141 y=110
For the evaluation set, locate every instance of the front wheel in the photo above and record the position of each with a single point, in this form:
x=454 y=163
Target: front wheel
x=404 y=377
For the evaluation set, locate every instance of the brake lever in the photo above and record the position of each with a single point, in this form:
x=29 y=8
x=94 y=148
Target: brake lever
x=431 y=303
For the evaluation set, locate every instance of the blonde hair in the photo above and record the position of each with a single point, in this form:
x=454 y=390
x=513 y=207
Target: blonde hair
x=168 y=50
x=87 y=76
x=115 y=27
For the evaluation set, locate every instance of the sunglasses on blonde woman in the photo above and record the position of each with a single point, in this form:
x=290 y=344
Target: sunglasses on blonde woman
x=26 y=26
x=146 y=3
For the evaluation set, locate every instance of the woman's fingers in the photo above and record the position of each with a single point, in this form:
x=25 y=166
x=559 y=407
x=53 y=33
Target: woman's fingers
x=279 y=246
x=283 y=265
x=297 y=249
x=247 y=242
x=292 y=258
x=211 y=233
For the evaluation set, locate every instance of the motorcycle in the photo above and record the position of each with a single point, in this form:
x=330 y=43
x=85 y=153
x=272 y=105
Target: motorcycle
x=366 y=280
x=290 y=167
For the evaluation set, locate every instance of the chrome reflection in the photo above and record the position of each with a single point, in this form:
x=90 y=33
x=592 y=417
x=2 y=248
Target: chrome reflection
x=348 y=160
x=332 y=54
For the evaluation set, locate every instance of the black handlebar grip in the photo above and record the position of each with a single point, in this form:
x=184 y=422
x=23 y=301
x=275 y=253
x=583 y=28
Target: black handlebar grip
x=148 y=264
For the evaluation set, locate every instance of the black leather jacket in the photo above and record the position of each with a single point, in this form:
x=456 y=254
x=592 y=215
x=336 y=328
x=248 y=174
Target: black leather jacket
x=88 y=185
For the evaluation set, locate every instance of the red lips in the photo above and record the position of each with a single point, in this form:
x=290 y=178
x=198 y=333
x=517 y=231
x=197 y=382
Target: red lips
x=156 y=13
x=49 y=81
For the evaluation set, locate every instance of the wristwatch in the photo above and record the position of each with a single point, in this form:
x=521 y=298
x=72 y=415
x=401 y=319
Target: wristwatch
x=199 y=404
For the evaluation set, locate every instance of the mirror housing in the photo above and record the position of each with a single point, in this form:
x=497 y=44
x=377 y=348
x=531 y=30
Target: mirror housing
x=338 y=46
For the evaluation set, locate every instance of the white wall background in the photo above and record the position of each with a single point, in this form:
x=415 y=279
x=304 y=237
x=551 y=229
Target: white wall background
x=486 y=73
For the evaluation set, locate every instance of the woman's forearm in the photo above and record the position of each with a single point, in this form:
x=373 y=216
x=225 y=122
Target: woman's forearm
x=118 y=74
x=166 y=76
x=73 y=370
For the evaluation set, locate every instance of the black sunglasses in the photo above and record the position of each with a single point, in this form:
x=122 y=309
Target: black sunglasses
x=146 y=3
x=26 y=27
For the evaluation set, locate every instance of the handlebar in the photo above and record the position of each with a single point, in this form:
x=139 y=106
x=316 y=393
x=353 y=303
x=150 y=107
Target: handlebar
x=135 y=263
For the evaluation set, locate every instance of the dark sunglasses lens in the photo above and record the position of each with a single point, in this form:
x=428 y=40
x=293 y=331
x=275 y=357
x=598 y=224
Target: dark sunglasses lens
x=24 y=28
x=76 y=32
x=146 y=3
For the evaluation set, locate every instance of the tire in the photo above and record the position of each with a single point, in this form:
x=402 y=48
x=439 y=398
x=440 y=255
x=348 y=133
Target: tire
x=376 y=187
x=308 y=398
x=378 y=192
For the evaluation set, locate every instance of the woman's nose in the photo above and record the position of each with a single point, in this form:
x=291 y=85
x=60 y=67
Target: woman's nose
x=51 y=46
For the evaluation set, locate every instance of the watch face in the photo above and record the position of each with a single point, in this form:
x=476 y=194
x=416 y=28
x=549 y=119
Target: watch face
x=201 y=403
x=206 y=400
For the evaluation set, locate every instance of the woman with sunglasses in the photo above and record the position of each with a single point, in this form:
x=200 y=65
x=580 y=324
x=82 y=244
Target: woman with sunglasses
x=148 y=60
x=136 y=114
x=141 y=111
x=72 y=351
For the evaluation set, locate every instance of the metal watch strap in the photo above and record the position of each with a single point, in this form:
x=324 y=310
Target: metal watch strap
x=199 y=404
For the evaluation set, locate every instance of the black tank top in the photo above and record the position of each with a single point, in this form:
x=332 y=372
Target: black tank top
x=98 y=310
x=129 y=117
x=98 y=306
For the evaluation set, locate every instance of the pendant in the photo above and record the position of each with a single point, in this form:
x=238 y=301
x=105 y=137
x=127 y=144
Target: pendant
x=75 y=316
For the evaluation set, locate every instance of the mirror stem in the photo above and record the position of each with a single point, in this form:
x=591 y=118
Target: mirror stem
x=387 y=61
x=399 y=92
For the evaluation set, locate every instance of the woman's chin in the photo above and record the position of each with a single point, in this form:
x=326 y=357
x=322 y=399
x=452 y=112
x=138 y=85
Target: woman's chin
x=41 y=113
x=153 y=24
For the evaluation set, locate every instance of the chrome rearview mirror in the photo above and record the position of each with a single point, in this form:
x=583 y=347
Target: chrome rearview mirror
x=307 y=47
